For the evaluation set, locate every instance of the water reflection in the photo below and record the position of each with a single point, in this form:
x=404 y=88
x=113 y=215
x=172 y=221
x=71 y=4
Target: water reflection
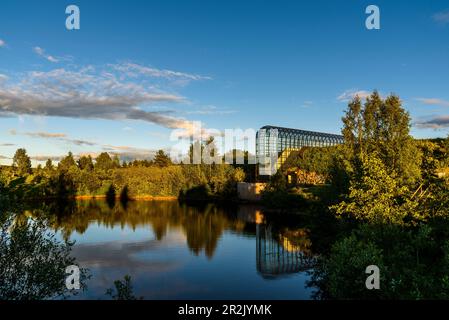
x=202 y=226
x=148 y=240
x=282 y=252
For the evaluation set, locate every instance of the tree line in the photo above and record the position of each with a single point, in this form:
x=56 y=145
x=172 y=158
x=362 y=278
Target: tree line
x=106 y=175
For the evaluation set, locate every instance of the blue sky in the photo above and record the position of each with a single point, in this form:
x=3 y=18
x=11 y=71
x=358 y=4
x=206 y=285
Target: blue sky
x=137 y=70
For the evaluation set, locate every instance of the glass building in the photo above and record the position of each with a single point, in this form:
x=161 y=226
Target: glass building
x=274 y=145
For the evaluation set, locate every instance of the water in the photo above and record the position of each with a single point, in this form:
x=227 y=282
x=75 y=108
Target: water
x=176 y=251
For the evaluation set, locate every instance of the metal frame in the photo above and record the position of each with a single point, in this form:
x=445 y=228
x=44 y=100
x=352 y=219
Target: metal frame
x=274 y=144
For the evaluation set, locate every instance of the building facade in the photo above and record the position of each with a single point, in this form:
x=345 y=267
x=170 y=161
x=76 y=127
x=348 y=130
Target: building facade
x=274 y=145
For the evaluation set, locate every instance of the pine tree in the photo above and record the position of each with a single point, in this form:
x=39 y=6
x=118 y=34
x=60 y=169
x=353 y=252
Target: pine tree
x=161 y=159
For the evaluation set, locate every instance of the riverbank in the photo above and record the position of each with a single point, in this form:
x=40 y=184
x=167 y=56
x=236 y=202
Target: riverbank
x=134 y=198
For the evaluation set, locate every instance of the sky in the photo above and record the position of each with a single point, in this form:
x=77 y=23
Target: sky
x=138 y=73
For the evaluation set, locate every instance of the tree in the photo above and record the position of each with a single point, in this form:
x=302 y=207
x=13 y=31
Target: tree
x=103 y=162
x=353 y=125
x=161 y=159
x=238 y=175
x=116 y=161
x=195 y=153
x=371 y=119
x=22 y=162
x=446 y=151
x=86 y=163
x=67 y=162
x=382 y=127
x=430 y=163
x=39 y=170
x=210 y=153
x=49 y=165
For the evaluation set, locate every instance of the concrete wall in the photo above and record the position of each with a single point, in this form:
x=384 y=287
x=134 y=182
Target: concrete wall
x=250 y=191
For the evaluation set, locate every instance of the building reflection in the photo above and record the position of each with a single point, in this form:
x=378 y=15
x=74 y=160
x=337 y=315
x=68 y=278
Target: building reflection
x=281 y=252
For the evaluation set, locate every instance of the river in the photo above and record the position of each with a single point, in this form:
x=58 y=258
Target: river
x=179 y=251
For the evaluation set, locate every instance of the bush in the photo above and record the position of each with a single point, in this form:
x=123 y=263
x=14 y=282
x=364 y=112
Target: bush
x=412 y=262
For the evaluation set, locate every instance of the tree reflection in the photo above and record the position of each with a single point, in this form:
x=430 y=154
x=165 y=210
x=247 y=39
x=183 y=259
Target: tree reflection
x=33 y=261
x=202 y=226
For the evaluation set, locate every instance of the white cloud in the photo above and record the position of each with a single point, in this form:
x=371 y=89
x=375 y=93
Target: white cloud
x=350 y=94
x=2 y=43
x=307 y=104
x=45 y=135
x=437 y=122
x=50 y=135
x=434 y=101
x=211 y=110
x=441 y=17
x=86 y=94
x=135 y=70
x=41 y=52
x=128 y=129
x=124 y=152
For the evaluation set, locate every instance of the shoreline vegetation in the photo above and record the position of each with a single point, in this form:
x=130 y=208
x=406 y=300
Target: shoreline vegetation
x=136 y=198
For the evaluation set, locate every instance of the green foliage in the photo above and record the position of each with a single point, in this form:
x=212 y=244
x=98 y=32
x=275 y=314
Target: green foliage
x=104 y=162
x=445 y=155
x=67 y=163
x=413 y=263
x=115 y=161
x=22 y=162
x=342 y=274
x=277 y=195
x=153 y=181
x=340 y=171
x=49 y=166
x=285 y=201
x=382 y=126
x=86 y=163
x=239 y=175
x=376 y=196
x=317 y=159
x=70 y=179
x=161 y=159
x=277 y=183
x=33 y=262
x=199 y=193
